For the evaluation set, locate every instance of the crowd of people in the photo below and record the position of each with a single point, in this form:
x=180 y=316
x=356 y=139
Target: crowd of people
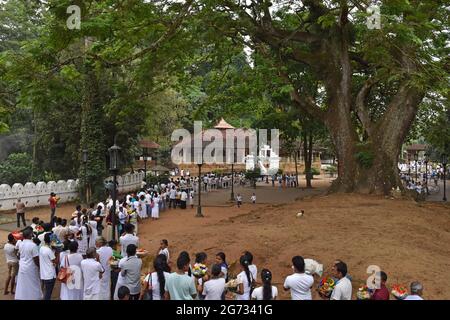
x=91 y=263
x=83 y=266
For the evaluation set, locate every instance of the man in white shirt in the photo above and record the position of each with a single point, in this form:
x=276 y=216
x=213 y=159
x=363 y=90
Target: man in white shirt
x=299 y=283
x=12 y=261
x=47 y=263
x=128 y=238
x=183 y=199
x=416 y=291
x=172 y=197
x=92 y=274
x=57 y=230
x=343 y=288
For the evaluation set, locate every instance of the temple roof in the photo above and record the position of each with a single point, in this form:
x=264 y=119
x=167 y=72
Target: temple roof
x=223 y=125
x=148 y=144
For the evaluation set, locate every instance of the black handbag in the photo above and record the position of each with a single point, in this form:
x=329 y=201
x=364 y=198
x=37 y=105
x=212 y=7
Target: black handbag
x=148 y=295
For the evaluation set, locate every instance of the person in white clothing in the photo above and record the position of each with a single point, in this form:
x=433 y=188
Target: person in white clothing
x=299 y=283
x=142 y=207
x=267 y=291
x=155 y=282
x=245 y=280
x=94 y=231
x=253 y=269
x=343 y=288
x=416 y=291
x=214 y=288
x=92 y=274
x=12 y=261
x=105 y=254
x=164 y=249
x=57 y=230
x=128 y=238
x=47 y=262
x=155 y=206
x=71 y=259
x=28 y=280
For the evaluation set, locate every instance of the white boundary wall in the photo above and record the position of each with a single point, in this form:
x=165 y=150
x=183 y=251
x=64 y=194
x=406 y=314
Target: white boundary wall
x=34 y=195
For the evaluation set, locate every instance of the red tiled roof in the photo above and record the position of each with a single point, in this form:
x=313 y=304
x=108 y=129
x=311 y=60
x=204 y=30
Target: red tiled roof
x=149 y=144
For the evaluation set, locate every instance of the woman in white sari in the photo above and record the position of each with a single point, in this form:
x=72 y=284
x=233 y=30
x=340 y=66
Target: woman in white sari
x=155 y=208
x=142 y=208
x=28 y=280
x=73 y=289
x=105 y=254
x=83 y=236
x=94 y=234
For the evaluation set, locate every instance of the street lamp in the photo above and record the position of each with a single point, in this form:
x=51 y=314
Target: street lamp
x=444 y=164
x=114 y=153
x=427 y=155
x=416 y=157
x=85 y=160
x=199 y=160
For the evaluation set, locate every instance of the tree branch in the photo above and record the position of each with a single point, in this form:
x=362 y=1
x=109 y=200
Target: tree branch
x=306 y=103
x=361 y=110
x=173 y=29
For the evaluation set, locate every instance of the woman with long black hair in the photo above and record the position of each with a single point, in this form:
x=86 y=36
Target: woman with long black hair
x=155 y=282
x=245 y=280
x=222 y=262
x=267 y=291
x=186 y=255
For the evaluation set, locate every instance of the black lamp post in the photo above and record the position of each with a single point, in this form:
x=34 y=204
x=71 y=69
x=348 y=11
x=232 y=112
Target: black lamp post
x=444 y=164
x=232 y=180
x=199 y=161
x=85 y=160
x=114 y=153
x=416 y=157
x=199 y=207
x=426 y=172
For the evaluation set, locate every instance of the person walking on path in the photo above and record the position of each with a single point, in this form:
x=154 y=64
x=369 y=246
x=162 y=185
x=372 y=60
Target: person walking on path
x=239 y=200
x=20 y=212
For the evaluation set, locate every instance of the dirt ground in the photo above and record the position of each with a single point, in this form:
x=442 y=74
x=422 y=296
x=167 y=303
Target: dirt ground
x=407 y=240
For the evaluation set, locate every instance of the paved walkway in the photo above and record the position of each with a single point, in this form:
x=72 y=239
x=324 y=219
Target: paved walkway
x=437 y=197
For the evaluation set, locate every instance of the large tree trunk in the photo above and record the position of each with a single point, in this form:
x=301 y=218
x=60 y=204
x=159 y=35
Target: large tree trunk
x=296 y=168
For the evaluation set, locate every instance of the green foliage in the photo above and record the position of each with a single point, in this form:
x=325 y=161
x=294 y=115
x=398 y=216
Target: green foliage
x=16 y=169
x=331 y=169
x=314 y=171
x=365 y=155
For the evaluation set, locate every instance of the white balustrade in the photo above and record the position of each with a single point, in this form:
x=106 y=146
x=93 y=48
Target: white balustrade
x=37 y=194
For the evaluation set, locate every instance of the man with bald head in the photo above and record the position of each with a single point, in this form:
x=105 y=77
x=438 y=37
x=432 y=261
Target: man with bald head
x=416 y=291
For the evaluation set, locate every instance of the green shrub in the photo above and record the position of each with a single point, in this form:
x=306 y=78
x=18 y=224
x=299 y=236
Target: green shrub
x=16 y=169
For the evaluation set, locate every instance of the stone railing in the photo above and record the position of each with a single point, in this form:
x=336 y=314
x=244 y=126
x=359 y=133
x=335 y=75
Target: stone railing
x=34 y=195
